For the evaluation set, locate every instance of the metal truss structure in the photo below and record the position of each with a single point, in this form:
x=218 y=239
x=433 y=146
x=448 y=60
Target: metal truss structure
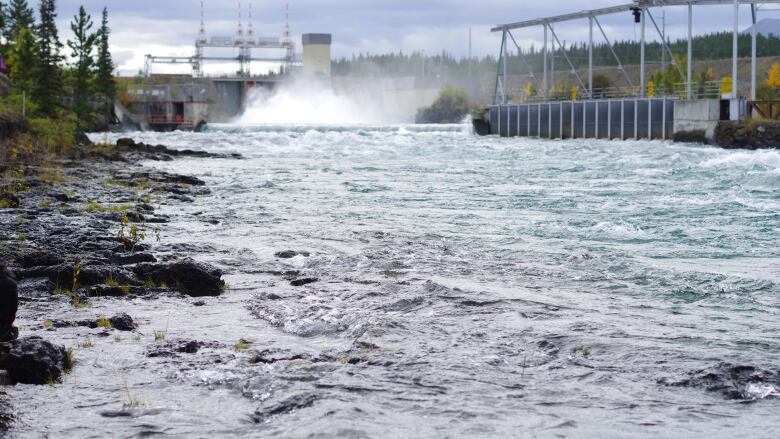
x=642 y=12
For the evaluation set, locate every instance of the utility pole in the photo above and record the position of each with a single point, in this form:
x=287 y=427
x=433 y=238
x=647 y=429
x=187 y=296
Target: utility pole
x=663 y=37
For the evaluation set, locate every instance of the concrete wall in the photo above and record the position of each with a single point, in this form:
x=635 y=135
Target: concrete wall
x=316 y=60
x=697 y=115
x=227 y=101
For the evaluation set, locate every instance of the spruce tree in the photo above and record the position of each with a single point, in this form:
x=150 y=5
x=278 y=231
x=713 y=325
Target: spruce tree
x=83 y=71
x=105 y=86
x=23 y=62
x=19 y=16
x=49 y=81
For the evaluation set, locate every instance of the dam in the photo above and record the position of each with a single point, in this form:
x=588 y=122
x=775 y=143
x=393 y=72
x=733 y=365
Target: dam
x=636 y=109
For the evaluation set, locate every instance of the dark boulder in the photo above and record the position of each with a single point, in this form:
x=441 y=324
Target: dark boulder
x=305 y=281
x=34 y=360
x=122 y=322
x=39 y=258
x=296 y=402
x=173 y=348
x=289 y=254
x=9 y=304
x=193 y=278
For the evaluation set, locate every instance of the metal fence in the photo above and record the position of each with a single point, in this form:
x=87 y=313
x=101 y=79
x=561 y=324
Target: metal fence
x=699 y=90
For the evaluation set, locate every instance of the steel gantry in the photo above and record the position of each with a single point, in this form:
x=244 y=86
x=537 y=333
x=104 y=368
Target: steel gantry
x=642 y=11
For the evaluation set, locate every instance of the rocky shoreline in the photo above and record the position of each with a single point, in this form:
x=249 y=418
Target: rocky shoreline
x=81 y=228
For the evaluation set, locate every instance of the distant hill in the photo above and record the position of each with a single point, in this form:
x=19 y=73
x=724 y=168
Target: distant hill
x=767 y=26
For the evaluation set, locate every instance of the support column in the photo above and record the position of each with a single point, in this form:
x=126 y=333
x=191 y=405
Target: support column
x=590 y=60
x=735 y=50
x=753 y=35
x=689 y=85
x=544 y=52
x=642 y=85
x=505 y=55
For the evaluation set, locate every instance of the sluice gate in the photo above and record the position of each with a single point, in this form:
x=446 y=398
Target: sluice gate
x=635 y=118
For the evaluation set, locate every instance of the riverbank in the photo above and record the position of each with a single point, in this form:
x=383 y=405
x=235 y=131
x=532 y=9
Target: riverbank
x=80 y=229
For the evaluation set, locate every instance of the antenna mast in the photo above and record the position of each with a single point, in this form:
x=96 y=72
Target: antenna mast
x=251 y=30
x=240 y=24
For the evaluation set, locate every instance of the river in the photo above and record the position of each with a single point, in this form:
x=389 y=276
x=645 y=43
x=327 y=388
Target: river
x=465 y=287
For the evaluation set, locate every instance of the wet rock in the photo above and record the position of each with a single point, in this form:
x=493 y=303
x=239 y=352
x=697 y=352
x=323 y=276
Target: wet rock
x=9 y=303
x=33 y=360
x=132 y=258
x=199 y=303
x=733 y=381
x=122 y=322
x=289 y=405
x=35 y=288
x=39 y=258
x=193 y=278
x=289 y=254
x=304 y=281
x=174 y=347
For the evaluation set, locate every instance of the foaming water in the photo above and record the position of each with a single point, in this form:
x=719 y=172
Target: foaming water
x=465 y=286
x=308 y=105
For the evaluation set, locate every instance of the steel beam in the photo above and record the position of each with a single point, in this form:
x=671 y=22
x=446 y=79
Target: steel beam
x=753 y=35
x=735 y=55
x=617 y=58
x=590 y=58
x=619 y=9
x=689 y=85
x=642 y=86
x=563 y=51
x=546 y=79
x=664 y=46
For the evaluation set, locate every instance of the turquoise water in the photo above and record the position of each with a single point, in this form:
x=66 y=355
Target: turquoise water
x=478 y=287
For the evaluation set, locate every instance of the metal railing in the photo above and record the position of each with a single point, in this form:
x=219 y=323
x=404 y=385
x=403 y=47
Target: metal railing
x=699 y=90
x=763 y=110
x=164 y=119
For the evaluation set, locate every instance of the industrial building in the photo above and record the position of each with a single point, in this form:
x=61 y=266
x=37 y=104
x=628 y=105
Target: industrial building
x=187 y=102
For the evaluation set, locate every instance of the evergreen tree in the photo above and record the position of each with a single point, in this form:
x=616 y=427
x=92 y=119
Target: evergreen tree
x=49 y=80
x=82 y=47
x=23 y=62
x=3 y=19
x=20 y=16
x=105 y=86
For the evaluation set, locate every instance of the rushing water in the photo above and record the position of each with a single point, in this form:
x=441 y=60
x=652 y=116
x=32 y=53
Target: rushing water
x=468 y=287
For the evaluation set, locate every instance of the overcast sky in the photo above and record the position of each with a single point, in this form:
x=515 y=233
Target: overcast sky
x=169 y=27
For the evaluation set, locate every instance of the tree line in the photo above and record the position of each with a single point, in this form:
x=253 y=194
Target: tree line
x=53 y=86
x=708 y=47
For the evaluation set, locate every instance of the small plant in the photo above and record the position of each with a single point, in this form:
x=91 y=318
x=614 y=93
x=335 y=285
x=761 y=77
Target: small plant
x=125 y=289
x=163 y=285
x=48 y=324
x=149 y=283
x=59 y=291
x=111 y=282
x=131 y=402
x=344 y=359
x=69 y=360
x=78 y=304
x=76 y=274
x=585 y=351
x=44 y=204
x=104 y=323
x=86 y=344
x=137 y=339
x=117 y=339
x=242 y=345
x=94 y=206
x=160 y=335
x=22 y=237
